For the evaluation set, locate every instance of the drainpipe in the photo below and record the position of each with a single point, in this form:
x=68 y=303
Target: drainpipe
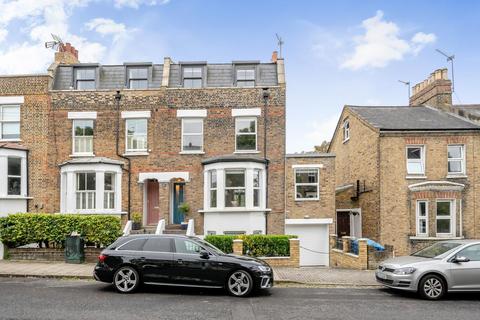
x=118 y=97
x=266 y=96
x=28 y=181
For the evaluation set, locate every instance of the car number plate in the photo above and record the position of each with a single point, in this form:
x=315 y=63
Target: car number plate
x=382 y=276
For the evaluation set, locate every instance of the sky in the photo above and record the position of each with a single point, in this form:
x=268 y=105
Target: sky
x=336 y=52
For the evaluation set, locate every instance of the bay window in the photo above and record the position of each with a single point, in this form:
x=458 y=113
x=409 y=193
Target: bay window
x=213 y=188
x=444 y=216
x=82 y=137
x=9 y=122
x=256 y=187
x=109 y=193
x=235 y=188
x=85 y=192
x=306 y=184
x=192 y=135
x=245 y=134
x=136 y=135
x=416 y=160
x=14 y=176
x=422 y=218
x=456 y=159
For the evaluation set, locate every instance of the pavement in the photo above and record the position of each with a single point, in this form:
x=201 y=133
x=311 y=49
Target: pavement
x=318 y=276
x=34 y=298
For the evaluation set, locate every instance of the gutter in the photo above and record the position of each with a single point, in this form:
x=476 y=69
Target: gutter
x=118 y=97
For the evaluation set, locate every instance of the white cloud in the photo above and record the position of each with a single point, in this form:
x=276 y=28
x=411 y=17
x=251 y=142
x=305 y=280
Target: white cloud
x=319 y=131
x=3 y=34
x=106 y=27
x=137 y=3
x=382 y=44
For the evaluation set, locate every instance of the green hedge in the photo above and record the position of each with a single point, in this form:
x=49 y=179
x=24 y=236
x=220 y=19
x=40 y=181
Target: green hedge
x=24 y=228
x=255 y=245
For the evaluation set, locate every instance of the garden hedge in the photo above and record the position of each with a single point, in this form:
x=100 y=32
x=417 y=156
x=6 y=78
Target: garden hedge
x=255 y=245
x=51 y=229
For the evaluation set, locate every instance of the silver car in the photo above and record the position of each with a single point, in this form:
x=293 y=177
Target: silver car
x=446 y=266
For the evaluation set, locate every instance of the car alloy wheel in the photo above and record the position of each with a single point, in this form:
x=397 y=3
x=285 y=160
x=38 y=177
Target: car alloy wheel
x=239 y=283
x=126 y=280
x=432 y=287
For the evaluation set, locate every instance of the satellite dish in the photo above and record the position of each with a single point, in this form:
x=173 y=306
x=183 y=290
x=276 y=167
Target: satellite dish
x=56 y=44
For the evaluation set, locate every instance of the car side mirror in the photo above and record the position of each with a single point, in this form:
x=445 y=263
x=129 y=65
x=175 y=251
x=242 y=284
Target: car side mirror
x=460 y=259
x=204 y=254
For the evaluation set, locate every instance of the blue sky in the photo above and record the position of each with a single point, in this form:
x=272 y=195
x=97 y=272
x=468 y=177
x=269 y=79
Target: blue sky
x=336 y=52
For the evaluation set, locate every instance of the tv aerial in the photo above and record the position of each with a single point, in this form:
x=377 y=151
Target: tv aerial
x=407 y=83
x=280 y=44
x=449 y=58
x=56 y=44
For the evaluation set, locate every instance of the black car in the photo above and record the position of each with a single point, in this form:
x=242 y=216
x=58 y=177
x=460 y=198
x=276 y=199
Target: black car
x=176 y=260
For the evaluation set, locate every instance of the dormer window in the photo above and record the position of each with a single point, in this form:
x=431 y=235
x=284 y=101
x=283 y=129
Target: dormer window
x=138 y=78
x=245 y=78
x=85 y=79
x=192 y=77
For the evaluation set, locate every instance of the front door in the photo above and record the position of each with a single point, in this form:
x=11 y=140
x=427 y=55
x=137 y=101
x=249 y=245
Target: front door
x=177 y=201
x=153 y=208
x=343 y=223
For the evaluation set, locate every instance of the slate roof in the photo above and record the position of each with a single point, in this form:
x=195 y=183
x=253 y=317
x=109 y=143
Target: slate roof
x=310 y=155
x=469 y=111
x=13 y=145
x=404 y=118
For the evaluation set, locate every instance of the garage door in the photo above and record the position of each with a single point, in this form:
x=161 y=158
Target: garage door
x=313 y=235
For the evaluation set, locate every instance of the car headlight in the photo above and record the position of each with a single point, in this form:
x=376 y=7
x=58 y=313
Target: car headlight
x=404 y=271
x=264 y=269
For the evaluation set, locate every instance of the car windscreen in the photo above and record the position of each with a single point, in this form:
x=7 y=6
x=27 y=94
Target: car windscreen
x=436 y=250
x=211 y=247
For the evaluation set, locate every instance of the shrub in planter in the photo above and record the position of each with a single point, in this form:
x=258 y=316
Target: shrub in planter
x=255 y=245
x=24 y=228
x=136 y=221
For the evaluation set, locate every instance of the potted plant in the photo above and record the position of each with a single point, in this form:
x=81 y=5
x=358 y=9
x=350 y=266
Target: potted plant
x=137 y=221
x=184 y=208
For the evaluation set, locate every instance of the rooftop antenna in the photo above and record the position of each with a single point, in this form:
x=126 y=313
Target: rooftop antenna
x=407 y=83
x=449 y=58
x=56 y=44
x=280 y=44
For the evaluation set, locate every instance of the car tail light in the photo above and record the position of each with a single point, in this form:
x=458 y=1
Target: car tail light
x=101 y=258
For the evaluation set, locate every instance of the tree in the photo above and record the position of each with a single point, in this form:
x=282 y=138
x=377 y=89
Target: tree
x=323 y=147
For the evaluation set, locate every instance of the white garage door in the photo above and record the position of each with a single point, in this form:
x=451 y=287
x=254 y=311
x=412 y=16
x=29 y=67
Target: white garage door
x=313 y=235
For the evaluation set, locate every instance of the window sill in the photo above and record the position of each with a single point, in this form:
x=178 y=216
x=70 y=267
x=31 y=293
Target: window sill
x=307 y=199
x=134 y=154
x=413 y=177
x=79 y=155
x=91 y=212
x=15 y=198
x=235 y=210
x=456 y=176
x=191 y=152
x=345 y=141
x=246 y=151
x=10 y=140
x=435 y=238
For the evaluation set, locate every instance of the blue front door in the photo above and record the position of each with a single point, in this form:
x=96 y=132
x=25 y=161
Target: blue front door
x=177 y=201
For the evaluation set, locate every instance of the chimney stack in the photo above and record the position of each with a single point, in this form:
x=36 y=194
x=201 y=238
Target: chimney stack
x=274 y=56
x=67 y=54
x=435 y=91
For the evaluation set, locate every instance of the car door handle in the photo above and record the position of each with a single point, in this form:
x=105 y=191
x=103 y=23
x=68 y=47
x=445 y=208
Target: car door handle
x=180 y=261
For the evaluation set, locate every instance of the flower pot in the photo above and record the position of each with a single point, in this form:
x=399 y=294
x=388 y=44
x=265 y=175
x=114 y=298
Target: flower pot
x=184 y=225
x=136 y=226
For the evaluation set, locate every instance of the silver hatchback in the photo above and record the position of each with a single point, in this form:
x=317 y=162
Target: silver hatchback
x=446 y=266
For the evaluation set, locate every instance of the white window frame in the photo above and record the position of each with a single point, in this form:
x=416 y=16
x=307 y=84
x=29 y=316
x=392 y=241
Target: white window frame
x=416 y=161
x=461 y=159
x=244 y=80
x=136 y=78
x=191 y=77
x=346 y=130
x=77 y=80
x=15 y=176
x=90 y=138
x=244 y=188
x=259 y=187
x=2 y=122
x=127 y=150
x=237 y=119
x=109 y=195
x=192 y=120
x=85 y=193
x=450 y=217
x=420 y=218
x=212 y=189
x=316 y=184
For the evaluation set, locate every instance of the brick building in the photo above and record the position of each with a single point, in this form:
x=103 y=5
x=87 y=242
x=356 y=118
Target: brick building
x=146 y=138
x=408 y=175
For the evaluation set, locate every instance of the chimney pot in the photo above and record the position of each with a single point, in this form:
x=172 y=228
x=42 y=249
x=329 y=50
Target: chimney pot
x=274 y=56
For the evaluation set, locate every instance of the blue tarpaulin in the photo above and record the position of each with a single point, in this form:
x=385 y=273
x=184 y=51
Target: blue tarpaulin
x=377 y=246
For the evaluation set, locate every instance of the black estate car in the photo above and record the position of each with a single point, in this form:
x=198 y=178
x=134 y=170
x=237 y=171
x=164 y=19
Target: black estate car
x=176 y=260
